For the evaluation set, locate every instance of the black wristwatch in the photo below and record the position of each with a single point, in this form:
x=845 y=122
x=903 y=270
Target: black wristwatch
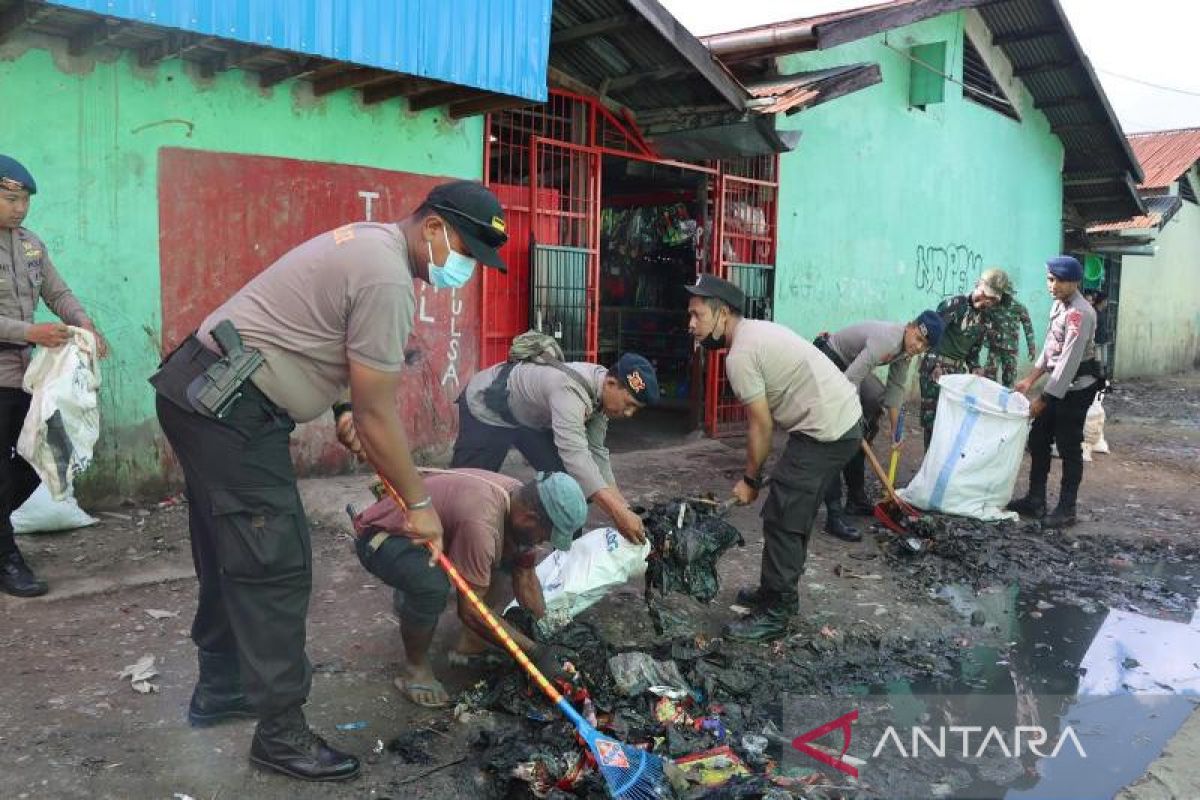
x=753 y=483
x=340 y=408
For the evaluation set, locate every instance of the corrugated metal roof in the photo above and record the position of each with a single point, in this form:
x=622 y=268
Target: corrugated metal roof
x=1159 y=210
x=1165 y=155
x=495 y=45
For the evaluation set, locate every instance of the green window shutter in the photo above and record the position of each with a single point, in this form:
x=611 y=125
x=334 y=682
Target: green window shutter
x=926 y=83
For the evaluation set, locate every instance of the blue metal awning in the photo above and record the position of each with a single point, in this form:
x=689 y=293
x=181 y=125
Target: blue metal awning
x=499 y=46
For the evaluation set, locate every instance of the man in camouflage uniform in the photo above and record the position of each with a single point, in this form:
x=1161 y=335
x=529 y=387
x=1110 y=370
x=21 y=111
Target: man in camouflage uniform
x=968 y=320
x=1009 y=317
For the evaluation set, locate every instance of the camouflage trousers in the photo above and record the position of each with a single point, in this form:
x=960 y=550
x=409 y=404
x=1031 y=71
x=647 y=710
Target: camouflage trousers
x=929 y=386
x=1003 y=370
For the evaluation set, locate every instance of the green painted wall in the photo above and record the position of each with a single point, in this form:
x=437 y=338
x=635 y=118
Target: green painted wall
x=1158 y=324
x=90 y=132
x=878 y=197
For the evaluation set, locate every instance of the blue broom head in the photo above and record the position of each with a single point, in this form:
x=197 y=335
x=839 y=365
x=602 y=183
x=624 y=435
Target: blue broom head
x=631 y=773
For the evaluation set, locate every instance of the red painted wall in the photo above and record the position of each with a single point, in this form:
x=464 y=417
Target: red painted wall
x=223 y=218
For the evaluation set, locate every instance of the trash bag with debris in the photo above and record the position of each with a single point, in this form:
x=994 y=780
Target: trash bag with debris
x=42 y=513
x=575 y=580
x=978 y=442
x=63 y=422
x=688 y=539
x=1093 y=429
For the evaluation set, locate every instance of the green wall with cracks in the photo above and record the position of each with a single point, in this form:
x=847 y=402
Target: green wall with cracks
x=89 y=130
x=877 y=195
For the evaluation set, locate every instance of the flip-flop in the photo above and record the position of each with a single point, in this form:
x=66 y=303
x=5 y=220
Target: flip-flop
x=433 y=686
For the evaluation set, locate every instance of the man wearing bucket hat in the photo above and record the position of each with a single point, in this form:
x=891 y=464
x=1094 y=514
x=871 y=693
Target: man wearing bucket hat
x=557 y=415
x=331 y=315
x=856 y=351
x=28 y=276
x=1009 y=318
x=492 y=523
x=1059 y=413
x=967 y=319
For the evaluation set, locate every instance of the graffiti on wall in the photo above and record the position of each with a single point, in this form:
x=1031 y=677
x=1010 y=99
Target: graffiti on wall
x=946 y=270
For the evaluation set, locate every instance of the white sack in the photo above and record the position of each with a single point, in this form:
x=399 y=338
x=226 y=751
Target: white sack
x=1093 y=430
x=63 y=422
x=978 y=442
x=576 y=579
x=41 y=512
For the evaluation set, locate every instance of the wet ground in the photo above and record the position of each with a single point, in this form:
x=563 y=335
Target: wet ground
x=1008 y=611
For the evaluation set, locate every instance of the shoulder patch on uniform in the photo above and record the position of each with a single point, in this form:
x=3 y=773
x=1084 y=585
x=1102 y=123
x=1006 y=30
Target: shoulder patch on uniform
x=1074 y=317
x=343 y=234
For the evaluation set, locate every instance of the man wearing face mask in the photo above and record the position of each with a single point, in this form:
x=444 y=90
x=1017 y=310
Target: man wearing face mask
x=557 y=415
x=333 y=313
x=780 y=378
x=494 y=525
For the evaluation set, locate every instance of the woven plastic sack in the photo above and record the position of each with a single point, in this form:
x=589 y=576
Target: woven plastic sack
x=975 y=452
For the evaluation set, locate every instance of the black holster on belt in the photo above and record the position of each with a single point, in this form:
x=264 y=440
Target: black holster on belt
x=495 y=396
x=822 y=344
x=1093 y=368
x=196 y=379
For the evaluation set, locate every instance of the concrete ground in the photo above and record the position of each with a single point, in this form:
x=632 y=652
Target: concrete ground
x=71 y=728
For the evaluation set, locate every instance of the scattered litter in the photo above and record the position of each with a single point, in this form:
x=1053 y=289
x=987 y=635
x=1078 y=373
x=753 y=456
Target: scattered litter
x=740 y=610
x=1042 y=605
x=846 y=572
x=140 y=674
x=636 y=672
x=357 y=725
x=411 y=747
x=181 y=796
x=712 y=768
x=158 y=613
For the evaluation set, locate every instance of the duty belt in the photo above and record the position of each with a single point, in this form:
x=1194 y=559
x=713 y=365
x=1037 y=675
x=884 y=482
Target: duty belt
x=822 y=344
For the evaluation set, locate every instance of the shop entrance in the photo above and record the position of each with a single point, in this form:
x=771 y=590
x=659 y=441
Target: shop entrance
x=604 y=235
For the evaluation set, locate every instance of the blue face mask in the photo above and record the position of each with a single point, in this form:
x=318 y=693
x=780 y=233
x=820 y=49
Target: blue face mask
x=455 y=272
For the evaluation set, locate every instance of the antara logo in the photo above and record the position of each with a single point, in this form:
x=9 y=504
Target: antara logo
x=1033 y=736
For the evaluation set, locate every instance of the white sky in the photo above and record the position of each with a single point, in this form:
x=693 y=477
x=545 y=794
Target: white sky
x=1156 y=41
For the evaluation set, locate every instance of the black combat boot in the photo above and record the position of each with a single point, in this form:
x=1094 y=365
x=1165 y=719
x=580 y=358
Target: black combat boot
x=750 y=597
x=218 y=694
x=837 y=526
x=1031 y=505
x=1063 y=516
x=767 y=622
x=285 y=744
x=16 y=578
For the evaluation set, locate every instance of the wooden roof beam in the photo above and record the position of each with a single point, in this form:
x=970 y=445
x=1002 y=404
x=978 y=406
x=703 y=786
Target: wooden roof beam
x=346 y=79
x=594 y=28
x=20 y=14
x=401 y=86
x=294 y=68
x=486 y=102
x=444 y=95
x=97 y=34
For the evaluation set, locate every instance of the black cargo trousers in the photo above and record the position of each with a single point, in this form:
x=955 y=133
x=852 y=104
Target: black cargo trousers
x=250 y=539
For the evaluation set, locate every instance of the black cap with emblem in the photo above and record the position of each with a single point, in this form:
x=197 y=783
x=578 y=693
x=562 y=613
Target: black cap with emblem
x=476 y=216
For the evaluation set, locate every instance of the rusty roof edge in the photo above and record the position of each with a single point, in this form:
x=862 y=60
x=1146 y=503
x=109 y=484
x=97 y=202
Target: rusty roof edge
x=1135 y=166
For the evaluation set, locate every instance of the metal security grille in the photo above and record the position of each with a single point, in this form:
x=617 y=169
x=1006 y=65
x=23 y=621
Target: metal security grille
x=745 y=254
x=979 y=85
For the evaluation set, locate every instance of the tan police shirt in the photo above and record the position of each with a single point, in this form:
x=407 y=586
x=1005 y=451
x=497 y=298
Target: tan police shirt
x=544 y=398
x=805 y=391
x=27 y=274
x=343 y=295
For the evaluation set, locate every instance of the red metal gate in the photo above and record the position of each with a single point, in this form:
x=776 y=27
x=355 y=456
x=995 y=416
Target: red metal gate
x=564 y=275
x=744 y=253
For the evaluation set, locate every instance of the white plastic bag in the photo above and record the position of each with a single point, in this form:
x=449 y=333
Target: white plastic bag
x=41 y=513
x=1093 y=430
x=63 y=422
x=975 y=453
x=576 y=579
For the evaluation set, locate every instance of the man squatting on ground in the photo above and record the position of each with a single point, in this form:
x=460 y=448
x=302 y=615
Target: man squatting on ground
x=1059 y=413
x=856 y=351
x=334 y=312
x=557 y=415
x=26 y=274
x=780 y=378
x=967 y=323
x=492 y=524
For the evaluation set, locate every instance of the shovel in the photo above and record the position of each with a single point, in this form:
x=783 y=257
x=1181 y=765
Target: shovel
x=894 y=513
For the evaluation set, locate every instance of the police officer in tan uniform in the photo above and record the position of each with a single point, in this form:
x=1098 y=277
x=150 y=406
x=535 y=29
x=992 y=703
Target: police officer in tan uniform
x=26 y=275
x=332 y=313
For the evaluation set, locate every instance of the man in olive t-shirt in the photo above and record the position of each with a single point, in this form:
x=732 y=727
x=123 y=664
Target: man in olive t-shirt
x=333 y=313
